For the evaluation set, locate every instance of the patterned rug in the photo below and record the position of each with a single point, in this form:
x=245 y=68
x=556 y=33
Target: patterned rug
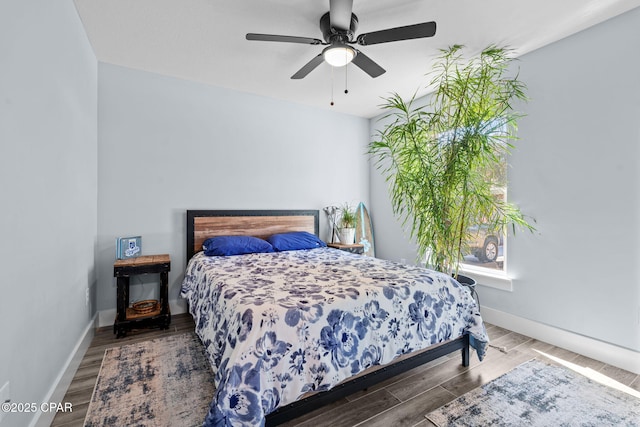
x=537 y=394
x=162 y=382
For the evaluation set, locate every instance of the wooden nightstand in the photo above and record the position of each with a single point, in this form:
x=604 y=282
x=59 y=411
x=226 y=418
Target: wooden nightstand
x=353 y=248
x=127 y=318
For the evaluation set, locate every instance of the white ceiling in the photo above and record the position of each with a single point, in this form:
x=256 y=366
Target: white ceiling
x=204 y=41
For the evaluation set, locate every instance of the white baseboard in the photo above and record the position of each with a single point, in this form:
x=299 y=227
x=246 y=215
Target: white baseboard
x=611 y=354
x=107 y=317
x=64 y=378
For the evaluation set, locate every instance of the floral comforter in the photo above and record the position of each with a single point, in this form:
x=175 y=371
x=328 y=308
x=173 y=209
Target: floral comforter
x=278 y=325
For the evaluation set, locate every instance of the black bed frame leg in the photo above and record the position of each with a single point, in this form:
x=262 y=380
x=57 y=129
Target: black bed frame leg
x=465 y=354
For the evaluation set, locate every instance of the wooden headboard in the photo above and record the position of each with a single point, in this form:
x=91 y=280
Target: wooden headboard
x=202 y=224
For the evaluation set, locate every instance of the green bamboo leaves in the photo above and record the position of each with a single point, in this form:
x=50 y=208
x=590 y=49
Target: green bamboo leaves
x=444 y=160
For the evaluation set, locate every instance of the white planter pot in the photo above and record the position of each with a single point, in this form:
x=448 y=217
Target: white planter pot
x=347 y=235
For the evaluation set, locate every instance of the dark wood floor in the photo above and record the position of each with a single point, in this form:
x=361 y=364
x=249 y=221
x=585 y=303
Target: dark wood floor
x=401 y=401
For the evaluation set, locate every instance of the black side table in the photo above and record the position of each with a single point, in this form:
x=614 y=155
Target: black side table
x=127 y=318
x=353 y=248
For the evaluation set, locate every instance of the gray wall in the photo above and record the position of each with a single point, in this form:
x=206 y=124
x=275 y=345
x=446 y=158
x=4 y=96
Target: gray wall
x=167 y=145
x=48 y=216
x=576 y=172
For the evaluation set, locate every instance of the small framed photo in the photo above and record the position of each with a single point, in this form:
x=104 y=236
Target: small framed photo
x=128 y=247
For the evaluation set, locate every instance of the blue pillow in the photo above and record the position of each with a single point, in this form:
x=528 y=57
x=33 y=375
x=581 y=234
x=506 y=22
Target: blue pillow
x=294 y=241
x=235 y=245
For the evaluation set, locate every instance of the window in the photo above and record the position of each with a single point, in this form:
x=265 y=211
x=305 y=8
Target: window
x=486 y=247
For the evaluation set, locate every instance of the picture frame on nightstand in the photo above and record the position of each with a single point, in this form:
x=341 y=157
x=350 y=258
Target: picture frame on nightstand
x=128 y=247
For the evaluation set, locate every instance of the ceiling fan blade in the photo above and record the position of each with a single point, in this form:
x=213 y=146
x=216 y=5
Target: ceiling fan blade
x=340 y=14
x=417 y=31
x=308 y=67
x=277 y=38
x=367 y=65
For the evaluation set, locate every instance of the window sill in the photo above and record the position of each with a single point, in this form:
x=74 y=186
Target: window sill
x=488 y=278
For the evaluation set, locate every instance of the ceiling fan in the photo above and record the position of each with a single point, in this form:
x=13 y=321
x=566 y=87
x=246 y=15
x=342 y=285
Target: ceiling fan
x=338 y=27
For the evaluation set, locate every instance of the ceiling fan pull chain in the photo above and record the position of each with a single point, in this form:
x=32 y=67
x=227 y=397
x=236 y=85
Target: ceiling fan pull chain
x=332 y=85
x=345 y=79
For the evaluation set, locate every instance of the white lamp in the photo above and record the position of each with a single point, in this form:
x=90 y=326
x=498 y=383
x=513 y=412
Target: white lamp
x=338 y=55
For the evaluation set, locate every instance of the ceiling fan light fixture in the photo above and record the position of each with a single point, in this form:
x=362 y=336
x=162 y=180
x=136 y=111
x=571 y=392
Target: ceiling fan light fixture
x=338 y=55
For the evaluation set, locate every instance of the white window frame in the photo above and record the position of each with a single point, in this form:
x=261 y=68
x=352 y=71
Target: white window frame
x=491 y=277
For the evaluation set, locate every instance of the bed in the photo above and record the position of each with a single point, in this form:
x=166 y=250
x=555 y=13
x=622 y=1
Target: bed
x=288 y=331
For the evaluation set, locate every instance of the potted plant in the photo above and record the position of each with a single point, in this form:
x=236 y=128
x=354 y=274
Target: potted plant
x=439 y=158
x=347 y=224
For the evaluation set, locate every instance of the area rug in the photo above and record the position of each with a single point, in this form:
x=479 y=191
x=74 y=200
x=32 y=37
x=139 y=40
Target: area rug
x=161 y=382
x=538 y=394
